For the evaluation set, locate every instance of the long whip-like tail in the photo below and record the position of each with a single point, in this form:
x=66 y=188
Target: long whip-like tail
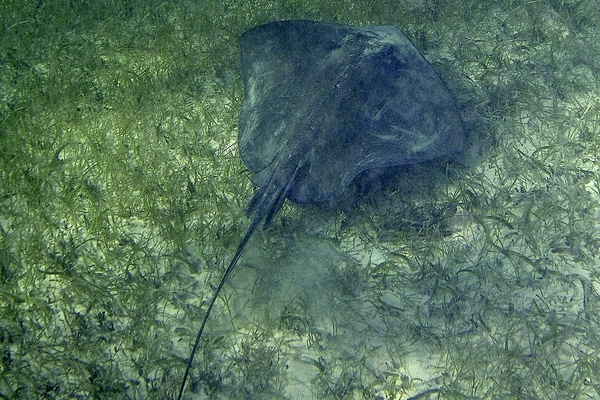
x=232 y=264
x=265 y=204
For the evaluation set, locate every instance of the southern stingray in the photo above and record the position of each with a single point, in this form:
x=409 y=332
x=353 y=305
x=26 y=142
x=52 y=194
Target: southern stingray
x=324 y=102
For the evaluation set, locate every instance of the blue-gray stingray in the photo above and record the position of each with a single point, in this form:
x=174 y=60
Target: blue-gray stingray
x=324 y=102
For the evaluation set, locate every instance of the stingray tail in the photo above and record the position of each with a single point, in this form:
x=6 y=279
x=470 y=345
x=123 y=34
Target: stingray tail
x=265 y=205
x=230 y=267
x=269 y=199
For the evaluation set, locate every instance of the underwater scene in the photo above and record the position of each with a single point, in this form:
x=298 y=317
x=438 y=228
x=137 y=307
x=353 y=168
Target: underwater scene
x=409 y=192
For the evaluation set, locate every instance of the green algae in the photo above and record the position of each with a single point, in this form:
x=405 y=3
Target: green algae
x=122 y=198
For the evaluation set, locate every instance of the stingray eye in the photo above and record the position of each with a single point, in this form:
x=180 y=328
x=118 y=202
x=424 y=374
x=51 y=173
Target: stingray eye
x=388 y=50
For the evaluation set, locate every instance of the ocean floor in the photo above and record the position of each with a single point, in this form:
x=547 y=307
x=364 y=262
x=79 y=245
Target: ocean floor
x=122 y=200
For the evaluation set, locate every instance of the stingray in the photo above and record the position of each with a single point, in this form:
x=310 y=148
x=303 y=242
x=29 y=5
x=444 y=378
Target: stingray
x=324 y=102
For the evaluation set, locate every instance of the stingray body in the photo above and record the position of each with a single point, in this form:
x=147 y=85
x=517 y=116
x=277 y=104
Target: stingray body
x=324 y=102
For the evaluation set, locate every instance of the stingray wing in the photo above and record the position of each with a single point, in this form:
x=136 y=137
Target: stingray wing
x=280 y=62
